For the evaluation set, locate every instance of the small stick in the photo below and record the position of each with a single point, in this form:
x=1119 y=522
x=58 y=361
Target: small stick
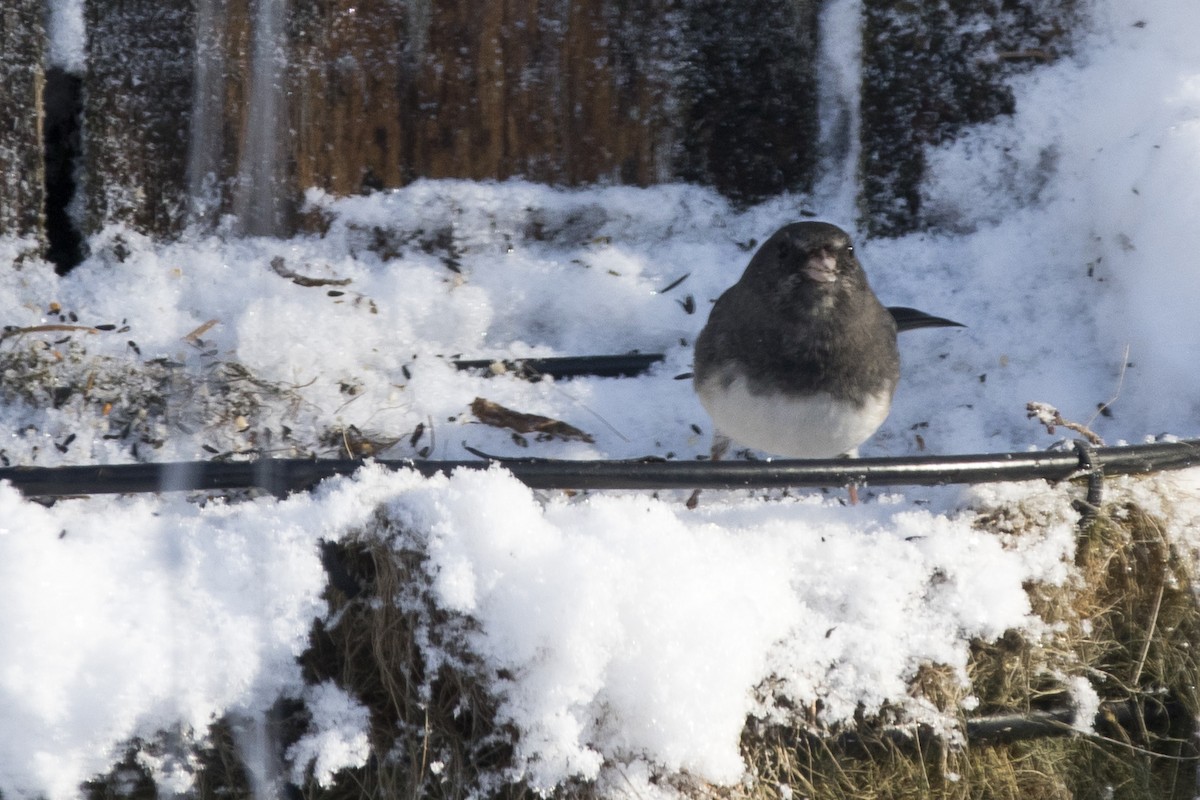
x=1048 y=415
x=47 y=329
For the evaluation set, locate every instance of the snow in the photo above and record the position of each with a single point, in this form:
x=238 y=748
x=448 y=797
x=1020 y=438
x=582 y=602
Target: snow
x=66 y=30
x=1086 y=702
x=1065 y=240
x=339 y=739
x=587 y=602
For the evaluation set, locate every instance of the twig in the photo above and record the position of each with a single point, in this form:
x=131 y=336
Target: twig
x=47 y=329
x=194 y=336
x=1117 y=393
x=1048 y=415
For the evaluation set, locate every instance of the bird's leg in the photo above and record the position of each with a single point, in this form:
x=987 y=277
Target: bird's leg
x=720 y=446
x=852 y=487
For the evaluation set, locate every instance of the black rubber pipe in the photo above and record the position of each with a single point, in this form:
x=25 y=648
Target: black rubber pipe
x=1120 y=720
x=618 y=366
x=281 y=476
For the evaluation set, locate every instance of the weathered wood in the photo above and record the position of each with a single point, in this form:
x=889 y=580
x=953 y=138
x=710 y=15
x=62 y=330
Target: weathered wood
x=750 y=122
x=350 y=67
x=22 y=81
x=560 y=91
x=545 y=89
x=597 y=90
x=137 y=108
x=242 y=147
x=219 y=97
x=928 y=70
x=379 y=94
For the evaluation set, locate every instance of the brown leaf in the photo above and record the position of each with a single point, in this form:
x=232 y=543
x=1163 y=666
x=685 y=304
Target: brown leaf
x=498 y=416
x=281 y=269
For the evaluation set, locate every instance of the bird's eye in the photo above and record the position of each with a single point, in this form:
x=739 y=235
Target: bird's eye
x=850 y=248
x=784 y=249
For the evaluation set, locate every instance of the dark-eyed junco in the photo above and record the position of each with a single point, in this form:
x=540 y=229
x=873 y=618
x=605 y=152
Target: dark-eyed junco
x=799 y=357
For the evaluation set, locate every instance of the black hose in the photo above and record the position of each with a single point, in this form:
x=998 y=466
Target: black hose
x=1123 y=721
x=281 y=476
x=618 y=366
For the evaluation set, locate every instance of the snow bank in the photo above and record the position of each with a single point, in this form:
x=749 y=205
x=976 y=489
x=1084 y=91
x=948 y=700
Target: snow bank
x=1064 y=235
x=634 y=630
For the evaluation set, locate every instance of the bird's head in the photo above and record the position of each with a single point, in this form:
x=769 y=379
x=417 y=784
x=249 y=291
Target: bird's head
x=807 y=258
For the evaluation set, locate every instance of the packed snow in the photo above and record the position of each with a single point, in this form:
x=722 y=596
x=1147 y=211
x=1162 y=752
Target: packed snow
x=65 y=30
x=634 y=634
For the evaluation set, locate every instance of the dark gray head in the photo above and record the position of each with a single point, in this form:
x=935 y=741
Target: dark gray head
x=806 y=261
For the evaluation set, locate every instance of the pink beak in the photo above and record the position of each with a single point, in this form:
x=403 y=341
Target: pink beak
x=821 y=267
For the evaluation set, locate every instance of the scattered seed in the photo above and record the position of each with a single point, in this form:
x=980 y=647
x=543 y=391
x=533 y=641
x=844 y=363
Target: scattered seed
x=674 y=283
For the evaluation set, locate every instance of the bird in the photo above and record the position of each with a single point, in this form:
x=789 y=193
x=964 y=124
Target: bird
x=799 y=358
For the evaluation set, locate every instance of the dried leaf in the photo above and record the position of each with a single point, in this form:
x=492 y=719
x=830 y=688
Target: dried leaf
x=498 y=416
x=279 y=266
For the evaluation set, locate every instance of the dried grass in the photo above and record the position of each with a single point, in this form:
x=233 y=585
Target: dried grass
x=1127 y=621
x=432 y=725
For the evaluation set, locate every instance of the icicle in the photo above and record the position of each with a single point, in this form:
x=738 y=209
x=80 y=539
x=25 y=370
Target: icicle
x=840 y=76
x=257 y=748
x=206 y=145
x=260 y=202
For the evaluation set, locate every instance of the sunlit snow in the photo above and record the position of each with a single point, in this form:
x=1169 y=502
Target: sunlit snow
x=632 y=631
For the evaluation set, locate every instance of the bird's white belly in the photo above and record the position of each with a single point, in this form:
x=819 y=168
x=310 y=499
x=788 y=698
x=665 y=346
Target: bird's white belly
x=813 y=426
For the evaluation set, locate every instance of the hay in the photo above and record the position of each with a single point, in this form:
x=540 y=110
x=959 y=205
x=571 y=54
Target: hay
x=433 y=726
x=1126 y=621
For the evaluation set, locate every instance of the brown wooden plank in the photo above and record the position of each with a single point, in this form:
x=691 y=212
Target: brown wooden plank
x=137 y=111
x=22 y=80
